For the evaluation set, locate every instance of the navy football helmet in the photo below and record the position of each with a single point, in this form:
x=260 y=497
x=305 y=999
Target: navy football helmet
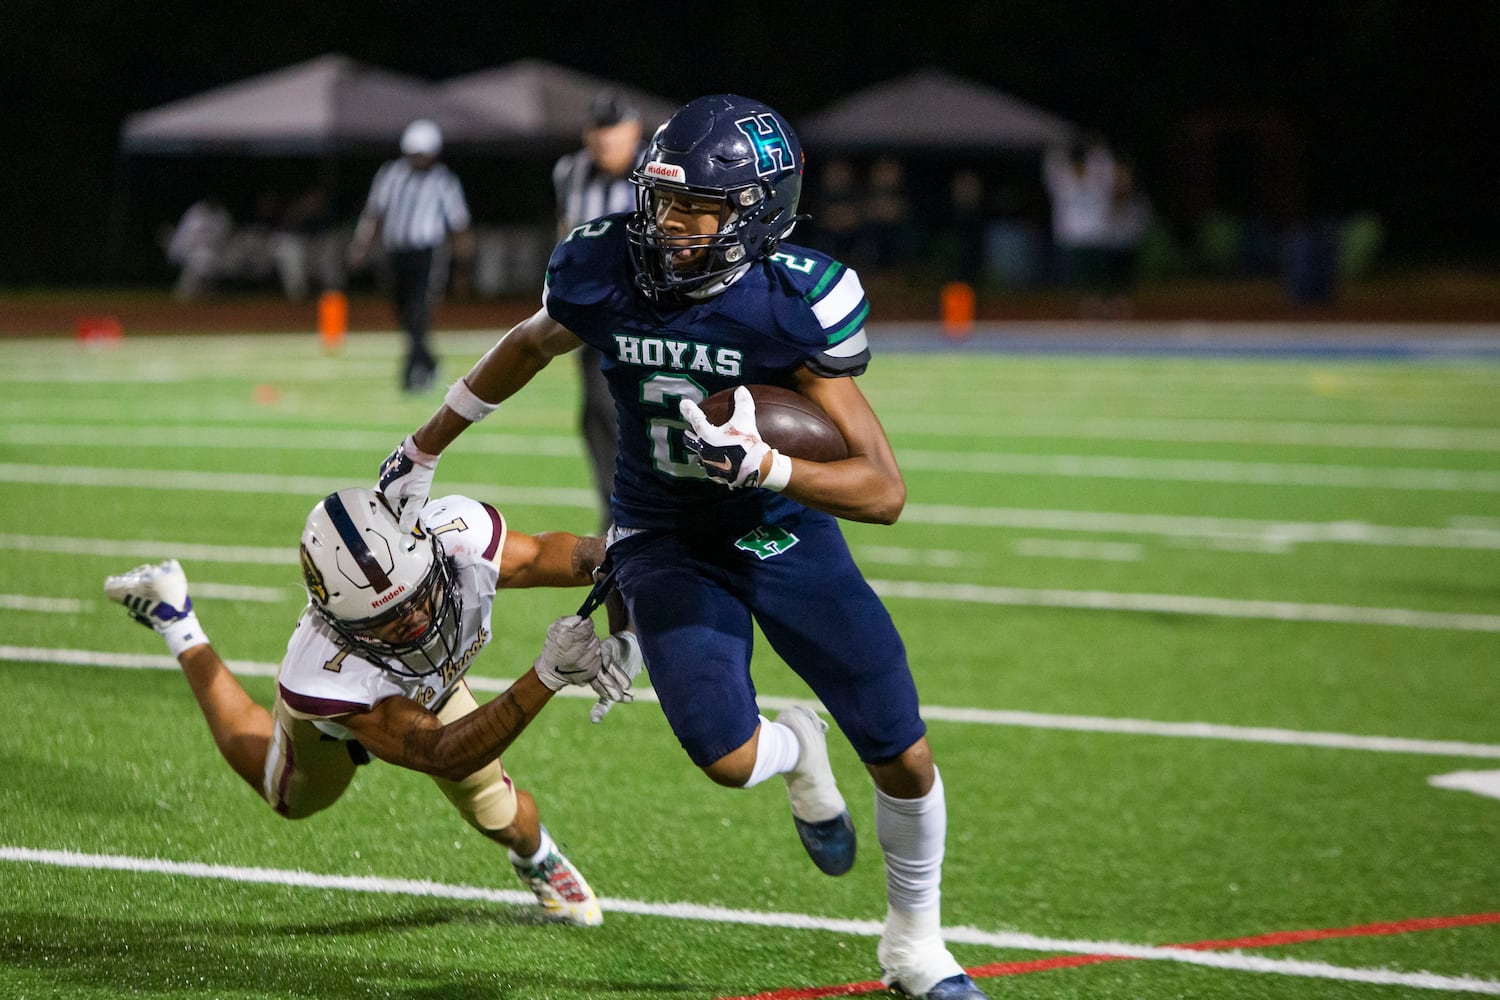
x=724 y=147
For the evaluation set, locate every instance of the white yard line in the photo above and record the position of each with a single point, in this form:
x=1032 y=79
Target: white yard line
x=274 y=439
x=1470 y=534
x=1203 y=471
x=1270 y=533
x=1297 y=433
x=1186 y=604
x=1090 y=600
x=1236 y=961
x=934 y=713
x=1420 y=437
x=959 y=462
x=254 y=482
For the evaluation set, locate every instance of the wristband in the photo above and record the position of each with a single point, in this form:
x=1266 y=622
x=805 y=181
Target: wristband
x=461 y=400
x=780 y=472
x=183 y=634
x=417 y=455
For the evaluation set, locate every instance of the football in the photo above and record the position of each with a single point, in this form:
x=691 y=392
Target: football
x=788 y=421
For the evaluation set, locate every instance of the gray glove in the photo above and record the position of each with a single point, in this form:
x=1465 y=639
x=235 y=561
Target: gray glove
x=622 y=664
x=571 y=654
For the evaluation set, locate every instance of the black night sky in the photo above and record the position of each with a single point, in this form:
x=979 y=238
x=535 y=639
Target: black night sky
x=1392 y=100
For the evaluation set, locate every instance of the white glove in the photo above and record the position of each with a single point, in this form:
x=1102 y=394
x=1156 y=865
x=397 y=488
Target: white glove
x=730 y=453
x=571 y=655
x=622 y=664
x=156 y=595
x=406 y=480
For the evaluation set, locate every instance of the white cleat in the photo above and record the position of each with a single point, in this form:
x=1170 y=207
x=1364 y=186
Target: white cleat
x=562 y=891
x=155 y=594
x=818 y=810
x=925 y=969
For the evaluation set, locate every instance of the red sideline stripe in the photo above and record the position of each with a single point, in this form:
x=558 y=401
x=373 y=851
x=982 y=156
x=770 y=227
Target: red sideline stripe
x=997 y=969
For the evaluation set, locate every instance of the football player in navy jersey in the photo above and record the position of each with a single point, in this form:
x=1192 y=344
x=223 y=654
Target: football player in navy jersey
x=714 y=530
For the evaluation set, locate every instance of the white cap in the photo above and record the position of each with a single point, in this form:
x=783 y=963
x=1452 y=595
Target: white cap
x=422 y=138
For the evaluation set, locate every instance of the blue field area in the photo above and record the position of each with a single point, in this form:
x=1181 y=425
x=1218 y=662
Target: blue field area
x=1411 y=341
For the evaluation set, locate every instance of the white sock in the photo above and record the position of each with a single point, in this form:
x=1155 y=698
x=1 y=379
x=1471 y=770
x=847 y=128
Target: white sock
x=544 y=849
x=776 y=751
x=912 y=834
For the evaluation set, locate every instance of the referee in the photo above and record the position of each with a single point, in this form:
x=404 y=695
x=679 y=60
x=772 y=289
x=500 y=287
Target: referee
x=415 y=204
x=591 y=182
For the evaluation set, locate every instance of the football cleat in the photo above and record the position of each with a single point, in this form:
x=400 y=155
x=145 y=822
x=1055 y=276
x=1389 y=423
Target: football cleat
x=562 y=891
x=156 y=595
x=923 y=968
x=823 y=822
x=959 y=987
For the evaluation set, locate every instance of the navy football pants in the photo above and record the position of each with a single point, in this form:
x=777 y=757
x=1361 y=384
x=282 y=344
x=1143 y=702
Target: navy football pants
x=692 y=596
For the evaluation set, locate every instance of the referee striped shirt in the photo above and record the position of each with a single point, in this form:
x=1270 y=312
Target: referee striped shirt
x=417 y=208
x=585 y=192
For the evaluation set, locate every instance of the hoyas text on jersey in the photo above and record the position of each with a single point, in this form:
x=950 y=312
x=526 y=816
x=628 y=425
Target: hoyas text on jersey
x=683 y=355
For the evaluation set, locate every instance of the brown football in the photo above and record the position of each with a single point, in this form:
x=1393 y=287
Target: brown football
x=788 y=421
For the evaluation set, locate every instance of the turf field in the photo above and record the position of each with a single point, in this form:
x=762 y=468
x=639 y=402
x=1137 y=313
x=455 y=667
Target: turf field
x=1209 y=649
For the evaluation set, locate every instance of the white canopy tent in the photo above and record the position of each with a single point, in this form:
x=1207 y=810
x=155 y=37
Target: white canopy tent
x=933 y=111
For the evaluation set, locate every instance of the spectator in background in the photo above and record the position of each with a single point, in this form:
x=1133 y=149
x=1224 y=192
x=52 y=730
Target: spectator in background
x=838 y=216
x=196 y=245
x=589 y=183
x=1081 y=184
x=1129 y=218
x=415 y=205
x=966 y=222
x=290 y=244
x=888 y=216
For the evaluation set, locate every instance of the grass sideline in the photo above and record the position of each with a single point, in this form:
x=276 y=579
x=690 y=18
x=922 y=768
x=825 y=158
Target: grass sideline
x=1048 y=495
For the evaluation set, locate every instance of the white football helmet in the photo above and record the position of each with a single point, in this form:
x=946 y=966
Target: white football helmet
x=390 y=594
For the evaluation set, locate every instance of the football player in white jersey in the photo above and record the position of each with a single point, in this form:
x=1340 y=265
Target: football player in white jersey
x=376 y=667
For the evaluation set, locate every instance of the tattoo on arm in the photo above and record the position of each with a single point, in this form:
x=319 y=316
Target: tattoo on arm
x=587 y=554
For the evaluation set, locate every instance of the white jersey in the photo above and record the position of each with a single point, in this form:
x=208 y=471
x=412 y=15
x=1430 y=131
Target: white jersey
x=321 y=677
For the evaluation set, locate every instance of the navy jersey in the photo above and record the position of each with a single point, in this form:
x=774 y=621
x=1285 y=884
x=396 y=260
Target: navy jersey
x=796 y=309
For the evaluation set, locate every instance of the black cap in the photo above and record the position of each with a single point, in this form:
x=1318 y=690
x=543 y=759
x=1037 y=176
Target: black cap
x=610 y=107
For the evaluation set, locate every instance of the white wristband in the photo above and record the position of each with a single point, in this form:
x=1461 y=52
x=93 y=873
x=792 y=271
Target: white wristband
x=417 y=455
x=183 y=634
x=780 y=472
x=461 y=400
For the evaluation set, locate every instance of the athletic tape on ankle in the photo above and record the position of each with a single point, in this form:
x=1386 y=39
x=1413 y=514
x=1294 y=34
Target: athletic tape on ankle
x=780 y=472
x=461 y=400
x=183 y=634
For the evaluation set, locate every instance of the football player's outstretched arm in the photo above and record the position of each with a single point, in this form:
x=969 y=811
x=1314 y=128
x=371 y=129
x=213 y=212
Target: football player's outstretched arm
x=401 y=732
x=549 y=559
x=866 y=486
x=405 y=478
x=526 y=349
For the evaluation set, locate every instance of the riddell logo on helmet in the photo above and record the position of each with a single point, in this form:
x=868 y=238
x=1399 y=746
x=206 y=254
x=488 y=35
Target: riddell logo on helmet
x=380 y=601
x=666 y=171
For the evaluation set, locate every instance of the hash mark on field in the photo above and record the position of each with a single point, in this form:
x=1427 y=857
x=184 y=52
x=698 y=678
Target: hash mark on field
x=52 y=605
x=1486 y=783
x=1052 y=548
